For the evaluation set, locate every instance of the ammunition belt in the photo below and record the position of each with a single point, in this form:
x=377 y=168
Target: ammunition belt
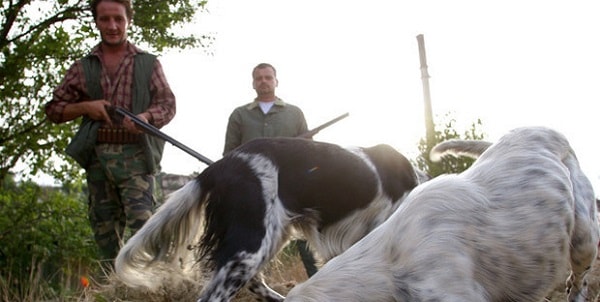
x=116 y=136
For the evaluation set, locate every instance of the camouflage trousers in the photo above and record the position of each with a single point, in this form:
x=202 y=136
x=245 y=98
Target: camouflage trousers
x=120 y=195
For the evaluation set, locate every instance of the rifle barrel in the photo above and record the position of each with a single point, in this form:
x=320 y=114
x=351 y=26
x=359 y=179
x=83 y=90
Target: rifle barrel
x=316 y=130
x=149 y=129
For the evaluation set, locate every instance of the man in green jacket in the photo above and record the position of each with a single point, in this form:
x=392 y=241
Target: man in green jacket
x=268 y=116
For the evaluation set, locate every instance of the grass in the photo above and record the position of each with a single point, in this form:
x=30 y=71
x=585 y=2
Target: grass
x=281 y=274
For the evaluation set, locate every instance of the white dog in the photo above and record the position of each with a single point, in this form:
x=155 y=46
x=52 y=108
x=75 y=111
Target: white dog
x=506 y=229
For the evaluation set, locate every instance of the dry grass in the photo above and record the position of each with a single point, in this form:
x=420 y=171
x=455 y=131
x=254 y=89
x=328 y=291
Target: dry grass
x=281 y=275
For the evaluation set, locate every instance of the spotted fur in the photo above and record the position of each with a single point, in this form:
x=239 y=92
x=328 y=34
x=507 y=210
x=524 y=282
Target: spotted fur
x=256 y=198
x=506 y=229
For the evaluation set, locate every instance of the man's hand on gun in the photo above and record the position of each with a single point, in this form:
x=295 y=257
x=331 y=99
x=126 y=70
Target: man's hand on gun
x=127 y=123
x=96 y=110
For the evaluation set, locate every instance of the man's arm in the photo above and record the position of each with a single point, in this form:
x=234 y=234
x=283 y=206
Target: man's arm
x=233 y=135
x=94 y=109
x=163 y=105
x=70 y=102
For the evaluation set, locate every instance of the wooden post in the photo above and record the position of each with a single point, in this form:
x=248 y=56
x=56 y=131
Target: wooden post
x=429 y=126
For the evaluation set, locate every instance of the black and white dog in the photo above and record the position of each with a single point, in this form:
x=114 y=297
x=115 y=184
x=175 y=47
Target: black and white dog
x=506 y=229
x=256 y=197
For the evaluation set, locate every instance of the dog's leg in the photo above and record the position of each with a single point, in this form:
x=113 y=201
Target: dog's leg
x=231 y=277
x=585 y=236
x=261 y=289
x=583 y=253
x=244 y=251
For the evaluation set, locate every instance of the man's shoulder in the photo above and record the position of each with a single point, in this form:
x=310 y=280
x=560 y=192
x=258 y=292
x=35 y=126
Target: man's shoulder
x=134 y=49
x=247 y=106
x=242 y=109
x=287 y=106
x=146 y=55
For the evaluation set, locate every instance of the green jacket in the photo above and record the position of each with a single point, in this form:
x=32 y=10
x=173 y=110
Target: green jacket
x=249 y=122
x=81 y=147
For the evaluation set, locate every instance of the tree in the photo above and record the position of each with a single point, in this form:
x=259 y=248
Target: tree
x=449 y=164
x=39 y=39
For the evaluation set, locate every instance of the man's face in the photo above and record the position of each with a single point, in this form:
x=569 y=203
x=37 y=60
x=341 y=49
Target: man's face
x=112 y=22
x=264 y=81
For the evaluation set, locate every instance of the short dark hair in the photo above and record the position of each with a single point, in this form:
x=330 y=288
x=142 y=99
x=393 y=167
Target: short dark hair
x=264 y=65
x=126 y=3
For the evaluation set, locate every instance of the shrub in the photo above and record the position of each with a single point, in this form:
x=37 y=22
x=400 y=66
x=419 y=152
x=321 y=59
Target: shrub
x=47 y=243
x=449 y=164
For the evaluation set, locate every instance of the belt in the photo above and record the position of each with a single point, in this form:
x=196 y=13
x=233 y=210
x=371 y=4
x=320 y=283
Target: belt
x=116 y=136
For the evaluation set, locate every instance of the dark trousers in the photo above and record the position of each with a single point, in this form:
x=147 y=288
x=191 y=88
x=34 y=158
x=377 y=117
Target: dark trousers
x=307 y=257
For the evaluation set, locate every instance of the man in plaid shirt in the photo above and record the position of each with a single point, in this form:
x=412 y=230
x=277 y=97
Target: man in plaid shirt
x=121 y=161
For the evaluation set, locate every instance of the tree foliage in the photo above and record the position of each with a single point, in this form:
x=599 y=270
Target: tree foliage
x=448 y=164
x=39 y=39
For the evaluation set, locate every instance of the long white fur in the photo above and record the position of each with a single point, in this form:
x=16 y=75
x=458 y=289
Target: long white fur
x=457 y=148
x=507 y=229
x=179 y=214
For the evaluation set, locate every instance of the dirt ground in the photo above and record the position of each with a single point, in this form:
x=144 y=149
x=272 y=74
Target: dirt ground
x=281 y=275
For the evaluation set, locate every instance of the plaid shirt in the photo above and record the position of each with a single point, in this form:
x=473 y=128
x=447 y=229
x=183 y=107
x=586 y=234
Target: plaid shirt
x=118 y=91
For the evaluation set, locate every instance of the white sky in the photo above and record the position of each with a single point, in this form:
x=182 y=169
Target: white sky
x=511 y=63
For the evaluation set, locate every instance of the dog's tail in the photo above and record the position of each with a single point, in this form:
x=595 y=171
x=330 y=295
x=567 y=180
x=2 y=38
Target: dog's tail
x=457 y=148
x=163 y=238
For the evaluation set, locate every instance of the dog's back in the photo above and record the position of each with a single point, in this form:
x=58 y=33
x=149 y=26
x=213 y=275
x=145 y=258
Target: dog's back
x=547 y=168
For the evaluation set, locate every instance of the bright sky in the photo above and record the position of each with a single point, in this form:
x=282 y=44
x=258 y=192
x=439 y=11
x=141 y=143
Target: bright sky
x=511 y=63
